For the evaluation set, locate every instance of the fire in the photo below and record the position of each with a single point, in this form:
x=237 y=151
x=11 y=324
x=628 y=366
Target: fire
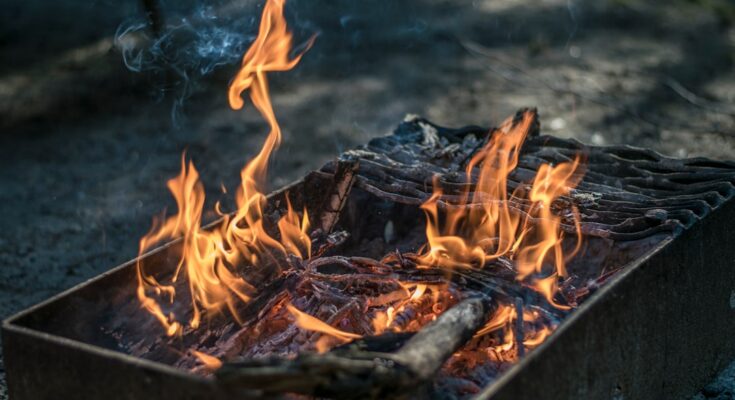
x=505 y=322
x=479 y=226
x=485 y=225
x=309 y=323
x=520 y=226
x=383 y=321
x=268 y=53
x=211 y=363
x=209 y=259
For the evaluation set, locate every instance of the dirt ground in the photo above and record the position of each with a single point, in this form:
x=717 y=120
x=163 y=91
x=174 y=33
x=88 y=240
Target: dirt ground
x=86 y=145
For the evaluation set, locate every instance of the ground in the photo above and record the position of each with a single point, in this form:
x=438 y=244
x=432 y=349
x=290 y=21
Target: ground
x=86 y=145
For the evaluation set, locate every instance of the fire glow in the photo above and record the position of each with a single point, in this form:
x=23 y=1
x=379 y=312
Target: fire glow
x=463 y=231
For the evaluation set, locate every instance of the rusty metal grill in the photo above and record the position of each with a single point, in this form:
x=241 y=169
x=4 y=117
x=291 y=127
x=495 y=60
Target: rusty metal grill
x=656 y=329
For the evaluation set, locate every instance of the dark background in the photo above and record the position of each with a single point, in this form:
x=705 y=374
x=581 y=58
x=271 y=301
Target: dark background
x=87 y=141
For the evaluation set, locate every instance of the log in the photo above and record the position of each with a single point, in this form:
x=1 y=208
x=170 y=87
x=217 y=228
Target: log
x=352 y=372
x=425 y=353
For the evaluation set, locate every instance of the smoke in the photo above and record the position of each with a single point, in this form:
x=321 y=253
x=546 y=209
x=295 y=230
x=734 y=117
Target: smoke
x=186 y=49
x=196 y=40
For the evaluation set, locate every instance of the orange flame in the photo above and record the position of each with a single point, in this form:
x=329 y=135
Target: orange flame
x=211 y=363
x=382 y=320
x=484 y=225
x=309 y=323
x=487 y=228
x=505 y=318
x=550 y=183
x=501 y=317
x=209 y=258
x=269 y=52
x=537 y=337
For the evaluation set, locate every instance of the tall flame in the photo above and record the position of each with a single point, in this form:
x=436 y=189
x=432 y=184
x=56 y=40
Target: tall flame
x=269 y=53
x=209 y=258
x=484 y=225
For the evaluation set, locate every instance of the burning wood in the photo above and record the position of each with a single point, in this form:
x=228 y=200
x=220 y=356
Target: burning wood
x=355 y=373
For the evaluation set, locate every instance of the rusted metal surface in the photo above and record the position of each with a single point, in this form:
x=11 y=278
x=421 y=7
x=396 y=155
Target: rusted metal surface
x=44 y=365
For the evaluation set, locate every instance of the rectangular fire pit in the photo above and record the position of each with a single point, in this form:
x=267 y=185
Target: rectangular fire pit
x=652 y=289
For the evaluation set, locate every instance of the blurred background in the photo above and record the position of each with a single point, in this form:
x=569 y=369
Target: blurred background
x=99 y=98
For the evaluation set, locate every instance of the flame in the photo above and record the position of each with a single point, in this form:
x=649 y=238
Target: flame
x=211 y=363
x=484 y=225
x=295 y=232
x=210 y=258
x=537 y=337
x=420 y=290
x=307 y=322
x=548 y=287
x=383 y=320
x=268 y=53
x=472 y=235
x=502 y=317
x=550 y=183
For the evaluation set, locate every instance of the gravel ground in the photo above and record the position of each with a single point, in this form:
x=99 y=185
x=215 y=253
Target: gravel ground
x=86 y=145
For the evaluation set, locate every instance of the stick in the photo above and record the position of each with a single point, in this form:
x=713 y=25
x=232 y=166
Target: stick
x=518 y=328
x=344 y=177
x=425 y=353
x=353 y=373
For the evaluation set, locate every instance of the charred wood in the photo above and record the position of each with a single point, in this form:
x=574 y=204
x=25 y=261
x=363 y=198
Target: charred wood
x=344 y=177
x=352 y=372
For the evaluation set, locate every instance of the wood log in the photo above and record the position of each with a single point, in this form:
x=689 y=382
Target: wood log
x=352 y=372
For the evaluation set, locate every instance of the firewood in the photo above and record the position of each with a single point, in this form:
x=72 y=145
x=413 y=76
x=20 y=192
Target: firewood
x=352 y=372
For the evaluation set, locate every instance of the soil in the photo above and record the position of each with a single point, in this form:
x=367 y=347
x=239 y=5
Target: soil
x=86 y=145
